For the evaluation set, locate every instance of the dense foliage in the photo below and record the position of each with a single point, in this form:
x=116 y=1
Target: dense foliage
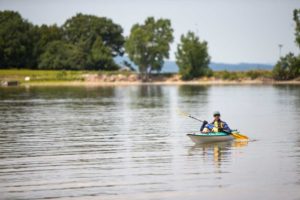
x=288 y=67
x=82 y=42
x=62 y=55
x=44 y=36
x=149 y=44
x=16 y=40
x=192 y=57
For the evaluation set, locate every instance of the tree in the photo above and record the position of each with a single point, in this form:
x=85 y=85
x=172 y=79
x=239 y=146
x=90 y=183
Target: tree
x=101 y=57
x=62 y=55
x=297 y=28
x=84 y=30
x=16 y=40
x=192 y=57
x=149 y=44
x=44 y=35
x=288 y=67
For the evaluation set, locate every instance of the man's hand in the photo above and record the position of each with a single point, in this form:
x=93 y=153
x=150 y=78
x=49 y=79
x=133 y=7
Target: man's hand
x=206 y=130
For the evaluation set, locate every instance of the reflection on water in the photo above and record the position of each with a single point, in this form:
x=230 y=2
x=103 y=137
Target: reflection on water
x=217 y=152
x=129 y=143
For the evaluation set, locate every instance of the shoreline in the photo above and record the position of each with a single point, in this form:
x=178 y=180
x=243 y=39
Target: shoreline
x=28 y=78
x=138 y=83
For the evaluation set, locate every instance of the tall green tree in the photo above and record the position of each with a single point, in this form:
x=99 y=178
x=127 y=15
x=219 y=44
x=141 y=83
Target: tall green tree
x=288 y=67
x=296 y=15
x=16 y=41
x=62 y=55
x=149 y=44
x=192 y=57
x=84 y=30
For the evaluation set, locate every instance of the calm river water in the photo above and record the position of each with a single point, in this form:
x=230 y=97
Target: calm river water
x=128 y=142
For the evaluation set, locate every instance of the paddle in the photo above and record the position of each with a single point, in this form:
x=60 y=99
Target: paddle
x=234 y=134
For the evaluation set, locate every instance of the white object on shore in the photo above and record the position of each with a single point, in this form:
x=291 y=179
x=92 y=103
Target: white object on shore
x=27 y=78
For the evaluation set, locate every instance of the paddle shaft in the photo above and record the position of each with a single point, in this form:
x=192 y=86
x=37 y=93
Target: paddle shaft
x=190 y=116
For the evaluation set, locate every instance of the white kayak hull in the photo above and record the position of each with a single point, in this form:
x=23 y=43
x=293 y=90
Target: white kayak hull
x=203 y=138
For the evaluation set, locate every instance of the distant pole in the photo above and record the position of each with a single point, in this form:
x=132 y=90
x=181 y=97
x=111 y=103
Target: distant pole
x=197 y=30
x=280 y=47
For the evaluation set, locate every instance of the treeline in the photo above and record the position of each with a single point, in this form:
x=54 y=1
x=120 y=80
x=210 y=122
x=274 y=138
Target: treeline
x=82 y=42
x=88 y=42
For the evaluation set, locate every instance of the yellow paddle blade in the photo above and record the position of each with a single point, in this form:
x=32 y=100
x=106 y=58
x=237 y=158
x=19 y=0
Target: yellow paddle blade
x=239 y=136
x=235 y=135
x=243 y=136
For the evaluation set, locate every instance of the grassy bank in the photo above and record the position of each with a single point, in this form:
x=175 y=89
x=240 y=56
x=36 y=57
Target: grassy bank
x=227 y=75
x=66 y=77
x=50 y=75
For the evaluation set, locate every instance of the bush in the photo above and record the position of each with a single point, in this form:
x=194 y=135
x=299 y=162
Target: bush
x=287 y=67
x=236 y=75
x=253 y=74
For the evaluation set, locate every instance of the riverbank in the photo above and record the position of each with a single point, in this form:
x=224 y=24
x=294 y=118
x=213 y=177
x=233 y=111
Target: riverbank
x=106 y=78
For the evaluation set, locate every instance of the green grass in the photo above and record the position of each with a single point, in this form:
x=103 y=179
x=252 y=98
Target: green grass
x=40 y=75
x=69 y=75
x=50 y=75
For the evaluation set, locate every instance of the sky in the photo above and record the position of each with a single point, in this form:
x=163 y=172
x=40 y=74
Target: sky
x=236 y=30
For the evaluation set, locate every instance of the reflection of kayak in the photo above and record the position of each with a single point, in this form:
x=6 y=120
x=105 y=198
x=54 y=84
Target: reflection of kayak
x=200 y=138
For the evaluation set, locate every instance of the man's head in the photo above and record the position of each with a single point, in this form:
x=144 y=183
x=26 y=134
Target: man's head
x=217 y=115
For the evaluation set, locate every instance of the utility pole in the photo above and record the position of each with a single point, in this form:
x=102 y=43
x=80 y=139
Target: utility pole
x=280 y=47
x=197 y=30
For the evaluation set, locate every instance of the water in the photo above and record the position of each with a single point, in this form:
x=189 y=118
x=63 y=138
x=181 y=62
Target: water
x=129 y=142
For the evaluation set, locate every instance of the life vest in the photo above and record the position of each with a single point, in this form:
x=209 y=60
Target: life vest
x=218 y=126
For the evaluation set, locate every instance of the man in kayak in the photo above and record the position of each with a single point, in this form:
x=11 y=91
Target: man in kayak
x=216 y=126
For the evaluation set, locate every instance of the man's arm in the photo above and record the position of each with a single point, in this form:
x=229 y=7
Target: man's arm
x=209 y=126
x=226 y=127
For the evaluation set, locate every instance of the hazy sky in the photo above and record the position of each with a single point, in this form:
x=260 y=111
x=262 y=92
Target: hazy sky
x=236 y=30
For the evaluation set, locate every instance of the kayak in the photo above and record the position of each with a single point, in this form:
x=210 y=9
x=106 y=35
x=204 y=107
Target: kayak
x=200 y=138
